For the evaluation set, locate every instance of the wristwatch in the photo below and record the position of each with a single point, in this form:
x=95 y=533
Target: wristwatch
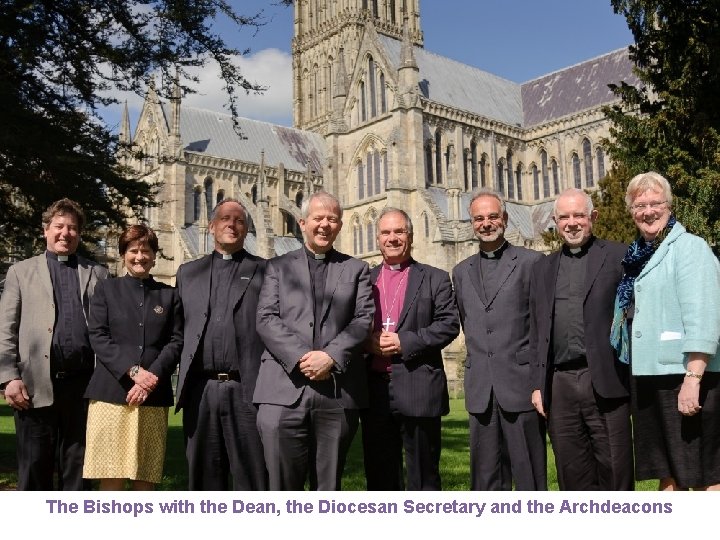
x=134 y=371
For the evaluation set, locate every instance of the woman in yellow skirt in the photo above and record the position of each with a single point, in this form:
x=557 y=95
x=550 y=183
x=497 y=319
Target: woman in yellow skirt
x=135 y=328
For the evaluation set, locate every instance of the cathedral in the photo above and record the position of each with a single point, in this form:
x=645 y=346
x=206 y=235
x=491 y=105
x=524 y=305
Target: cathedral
x=378 y=121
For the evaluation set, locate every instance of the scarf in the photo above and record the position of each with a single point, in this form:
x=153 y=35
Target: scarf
x=637 y=256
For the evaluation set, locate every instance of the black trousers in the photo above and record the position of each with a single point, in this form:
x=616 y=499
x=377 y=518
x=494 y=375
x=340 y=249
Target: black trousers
x=386 y=433
x=221 y=438
x=505 y=447
x=307 y=441
x=53 y=438
x=590 y=435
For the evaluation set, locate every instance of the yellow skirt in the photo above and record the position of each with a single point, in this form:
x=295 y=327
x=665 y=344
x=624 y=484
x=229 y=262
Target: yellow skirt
x=125 y=442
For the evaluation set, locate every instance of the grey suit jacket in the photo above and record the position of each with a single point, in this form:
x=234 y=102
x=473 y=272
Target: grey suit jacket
x=497 y=328
x=428 y=322
x=193 y=283
x=27 y=320
x=285 y=322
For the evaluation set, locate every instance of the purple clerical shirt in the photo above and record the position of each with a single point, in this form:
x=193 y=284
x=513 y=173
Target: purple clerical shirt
x=389 y=294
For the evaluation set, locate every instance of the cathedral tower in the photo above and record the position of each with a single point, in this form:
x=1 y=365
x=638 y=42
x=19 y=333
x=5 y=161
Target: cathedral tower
x=325 y=29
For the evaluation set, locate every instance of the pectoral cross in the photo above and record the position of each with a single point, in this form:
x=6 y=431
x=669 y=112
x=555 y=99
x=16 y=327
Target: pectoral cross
x=387 y=324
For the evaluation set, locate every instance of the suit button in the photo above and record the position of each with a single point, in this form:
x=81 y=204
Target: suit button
x=141 y=304
x=488 y=309
x=490 y=355
x=50 y=330
x=637 y=310
x=489 y=331
x=52 y=306
x=140 y=347
x=638 y=288
x=46 y=356
x=638 y=334
x=311 y=325
x=140 y=324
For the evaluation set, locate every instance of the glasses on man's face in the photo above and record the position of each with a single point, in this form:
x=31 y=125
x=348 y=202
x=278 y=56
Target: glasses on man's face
x=397 y=232
x=657 y=205
x=494 y=218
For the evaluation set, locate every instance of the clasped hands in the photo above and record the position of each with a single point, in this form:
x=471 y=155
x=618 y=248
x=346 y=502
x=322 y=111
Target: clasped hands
x=316 y=365
x=145 y=382
x=383 y=343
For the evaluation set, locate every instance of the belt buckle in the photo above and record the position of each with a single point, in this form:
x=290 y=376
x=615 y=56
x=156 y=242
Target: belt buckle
x=61 y=375
x=222 y=377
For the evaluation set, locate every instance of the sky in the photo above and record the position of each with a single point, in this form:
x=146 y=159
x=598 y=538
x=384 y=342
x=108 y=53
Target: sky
x=515 y=39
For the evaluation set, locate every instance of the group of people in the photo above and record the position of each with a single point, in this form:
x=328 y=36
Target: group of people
x=280 y=361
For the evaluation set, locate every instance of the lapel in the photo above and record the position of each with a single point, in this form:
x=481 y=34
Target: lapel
x=44 y=274
x=84 y=273
x=596 y=259
x=334 y=271
x=474 y=273
x=549 y=284
x=201 y=281
x=415 y=279
x=508 y=262
x=301 y=266
x=243 y=276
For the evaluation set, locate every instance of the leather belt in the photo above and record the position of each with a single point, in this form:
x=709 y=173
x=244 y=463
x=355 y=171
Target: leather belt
x=222 y=376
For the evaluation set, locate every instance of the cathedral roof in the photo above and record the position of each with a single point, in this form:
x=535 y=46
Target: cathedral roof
x=209 y=132
x=552 y=96
x=191 y=238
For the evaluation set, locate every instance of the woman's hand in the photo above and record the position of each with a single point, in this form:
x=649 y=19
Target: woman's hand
x=145 y=379
x=689 y=397
x=136 y=395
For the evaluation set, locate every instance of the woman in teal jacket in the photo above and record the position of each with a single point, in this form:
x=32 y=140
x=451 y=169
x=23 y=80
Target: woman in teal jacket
x=667 y=325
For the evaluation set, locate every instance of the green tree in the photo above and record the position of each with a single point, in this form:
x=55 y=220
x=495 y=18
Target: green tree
x=670 y=122
x=60 y=60
x=614 y=221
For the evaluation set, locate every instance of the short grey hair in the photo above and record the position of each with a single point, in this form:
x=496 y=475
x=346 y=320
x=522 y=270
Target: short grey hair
x=213 y=213
x=487 y=192
x=323 y=196
x=392 y=210
x=589 y=207
x=644 y=181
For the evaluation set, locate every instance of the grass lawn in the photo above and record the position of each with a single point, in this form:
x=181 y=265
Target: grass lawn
x=454 y=465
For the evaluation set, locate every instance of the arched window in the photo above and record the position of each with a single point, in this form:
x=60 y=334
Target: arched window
x=376 y=168
x=438 y=158
x=483 y=170
x=428 y=164
x=426 y=222
x=361 y=181
x=369 y=176
x=357 y=237
x=375 y=8
x=576 y=171
x=501 y=177
x=556 y=177
x=385 y=168
x=299 y=199
x=473 y=165
x=510 y=181
x=383 y=94
x=220 y=196
x=600 y=156
x=316 y=90
x=209 y=196
x=363 y=110
x=536 y=182
x=466 y=166
x=545 y=174
x=587 y=158
x=370 y=235
x=253 y=194
x=371 y=83
x=197 y=201
x=518 y=181
x=329 y=85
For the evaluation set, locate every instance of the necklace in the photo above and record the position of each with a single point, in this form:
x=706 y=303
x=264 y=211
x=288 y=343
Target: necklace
x=388 y=323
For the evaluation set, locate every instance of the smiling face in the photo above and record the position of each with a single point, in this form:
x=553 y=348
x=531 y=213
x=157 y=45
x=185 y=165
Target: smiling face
x=489 y=222
x=139 y=259
x=322 y=225
x=229 y=228
x=573 y=221
x=394 y=239
x=62 y=235
x=651 y=212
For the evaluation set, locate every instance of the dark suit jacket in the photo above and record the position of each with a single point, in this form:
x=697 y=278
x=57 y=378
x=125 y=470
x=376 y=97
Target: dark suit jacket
x=609 y=377
x=129 y=325
x=497 y=331
x=193 y=282
x=428 y=322
x=285 y=322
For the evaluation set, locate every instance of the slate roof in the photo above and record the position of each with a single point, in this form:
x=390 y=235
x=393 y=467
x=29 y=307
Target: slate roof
x=561 y=93
x=209 y=132
x=191 y=236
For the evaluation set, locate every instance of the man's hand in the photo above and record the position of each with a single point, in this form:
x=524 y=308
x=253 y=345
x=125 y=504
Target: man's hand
x=537 y=402
x=16 y=395
x=372 y=344
x=316 y=365
x=389 y=343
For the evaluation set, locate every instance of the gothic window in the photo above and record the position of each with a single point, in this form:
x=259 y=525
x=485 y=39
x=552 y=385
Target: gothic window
x=510 y=182
x=392 y=11
x=466 y=165
x=363 y=110
x=483 y=170
x=428 y=164
x=369 y=176
x=209 y=196
x=364 y=4
x=253 y=194
x=299 y=199
x=501 y=177
x=438 y=157
x=376 y=168
x=556 y=177
x=357 y=237
x=518 y=181
x=315 y=90
x=371 y=82
x=375 y=8
x=329 y=87
x=545 y=174
x=587 y=158
x=473 y=165
x=385 y=168
x=576 y=171
x=536 y=182
x=600 y=156
x=383 y=95
x=197 y=201
x=361 y=181
x=370 y=235
x=426 y=223
x=220 y=195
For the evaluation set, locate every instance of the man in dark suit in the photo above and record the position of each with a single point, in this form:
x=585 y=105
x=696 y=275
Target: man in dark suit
x=221 y=357
x=314 y=315
x=415 y=318
x=45 y=356
x=507 y=437
x=577 y=381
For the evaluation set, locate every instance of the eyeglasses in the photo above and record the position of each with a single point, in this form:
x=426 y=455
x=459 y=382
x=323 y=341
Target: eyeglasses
x=644 y=206
x=398 y=232
x=491 y=217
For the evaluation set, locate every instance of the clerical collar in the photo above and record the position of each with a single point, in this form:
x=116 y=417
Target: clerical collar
x=400 y=266
x=495 y=254
x=579 y=251
x=61 y=258
x=316 y=256
x=237 y=256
